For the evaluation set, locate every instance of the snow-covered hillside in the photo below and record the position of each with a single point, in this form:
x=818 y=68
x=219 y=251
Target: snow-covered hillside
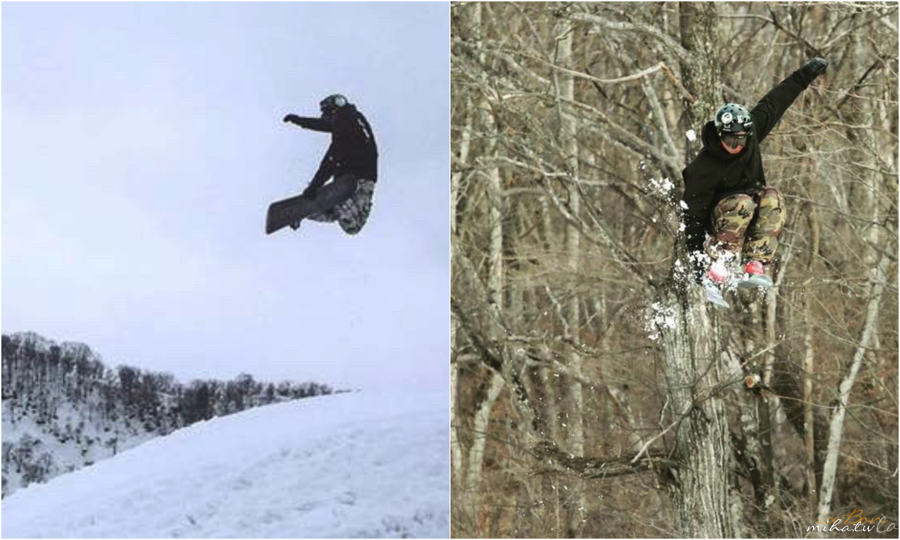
x=349 y=465
x=64 y=409
x=36 y=451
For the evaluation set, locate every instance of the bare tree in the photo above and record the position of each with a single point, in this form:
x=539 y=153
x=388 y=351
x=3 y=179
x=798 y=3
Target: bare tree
x=590 y=378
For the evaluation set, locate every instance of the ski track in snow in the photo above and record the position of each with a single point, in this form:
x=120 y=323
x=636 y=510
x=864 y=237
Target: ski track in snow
x=348 y=466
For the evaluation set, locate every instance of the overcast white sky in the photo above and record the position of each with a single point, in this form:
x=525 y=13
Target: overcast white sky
x=141 y=146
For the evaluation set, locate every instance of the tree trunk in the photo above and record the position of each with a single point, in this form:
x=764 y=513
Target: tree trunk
x=479 y=440
x=568 y=133
x=877 y=279
x=455 y=178
x=706 y=506
x=699 y=21
x=705 y=501
x=808 y=414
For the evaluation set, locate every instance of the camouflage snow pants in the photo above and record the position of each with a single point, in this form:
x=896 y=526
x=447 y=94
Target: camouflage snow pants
x=352 y=213
x=747 y=225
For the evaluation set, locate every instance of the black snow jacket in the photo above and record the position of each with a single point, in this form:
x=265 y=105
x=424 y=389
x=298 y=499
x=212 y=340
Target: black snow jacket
x=715 y=174
x=352 y=148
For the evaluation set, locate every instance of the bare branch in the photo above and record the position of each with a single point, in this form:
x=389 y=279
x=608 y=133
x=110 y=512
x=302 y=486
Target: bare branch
x=597 y=468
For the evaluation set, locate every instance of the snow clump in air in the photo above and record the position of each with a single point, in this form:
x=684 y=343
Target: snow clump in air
x=658 y=317
x=691 y=135
x=679 y=271
x=663 y=185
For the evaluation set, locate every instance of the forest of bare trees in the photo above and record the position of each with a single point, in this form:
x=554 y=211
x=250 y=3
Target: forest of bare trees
x=594 y=393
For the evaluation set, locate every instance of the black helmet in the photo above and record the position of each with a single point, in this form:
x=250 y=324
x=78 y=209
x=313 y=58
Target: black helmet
x=331 y=104
x=733 y=118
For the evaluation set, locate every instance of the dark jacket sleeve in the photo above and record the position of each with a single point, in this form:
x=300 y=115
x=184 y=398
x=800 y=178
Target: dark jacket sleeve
x=773 y=105
x=698 y=197
x=315 y=124
x=326 y=170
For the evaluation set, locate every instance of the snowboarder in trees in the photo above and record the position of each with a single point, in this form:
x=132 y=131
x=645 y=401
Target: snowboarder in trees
x=726 y=194
x=351 y=163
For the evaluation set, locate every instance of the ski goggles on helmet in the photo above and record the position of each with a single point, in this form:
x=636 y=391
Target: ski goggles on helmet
x=735 y=139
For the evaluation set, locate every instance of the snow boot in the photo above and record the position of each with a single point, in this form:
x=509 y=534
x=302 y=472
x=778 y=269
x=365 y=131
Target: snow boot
x=716 y=276
x=754 y=276
x=717 y=273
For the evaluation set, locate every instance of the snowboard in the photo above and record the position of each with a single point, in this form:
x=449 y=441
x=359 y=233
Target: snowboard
x=751 y=281
x=713 y=293
x=287 y=211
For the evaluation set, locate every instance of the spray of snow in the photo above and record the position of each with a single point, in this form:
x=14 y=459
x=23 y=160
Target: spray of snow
x=681 y=274
x=725 y=262
x=663 y=186
x=691 y=135
x=657 y=318
x=682 y=207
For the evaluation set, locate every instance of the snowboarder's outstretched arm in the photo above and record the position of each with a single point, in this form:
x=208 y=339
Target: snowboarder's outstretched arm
x=315 y=124
x=326 y=171
x=698 y=198
x=773 y=105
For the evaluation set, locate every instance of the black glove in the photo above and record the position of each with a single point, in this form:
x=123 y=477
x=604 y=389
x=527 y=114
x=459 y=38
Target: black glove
x=816 y=67
x=292 y=118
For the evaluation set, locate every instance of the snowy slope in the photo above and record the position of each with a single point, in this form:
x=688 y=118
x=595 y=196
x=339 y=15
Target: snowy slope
x=63 y=409
x=349 y=465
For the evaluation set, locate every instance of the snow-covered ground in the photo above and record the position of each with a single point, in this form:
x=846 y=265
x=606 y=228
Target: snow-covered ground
x=348 y=465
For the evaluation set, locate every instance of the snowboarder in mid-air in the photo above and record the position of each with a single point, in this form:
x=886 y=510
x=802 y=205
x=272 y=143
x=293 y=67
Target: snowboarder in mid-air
x=351 y=163
x=726 y=194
